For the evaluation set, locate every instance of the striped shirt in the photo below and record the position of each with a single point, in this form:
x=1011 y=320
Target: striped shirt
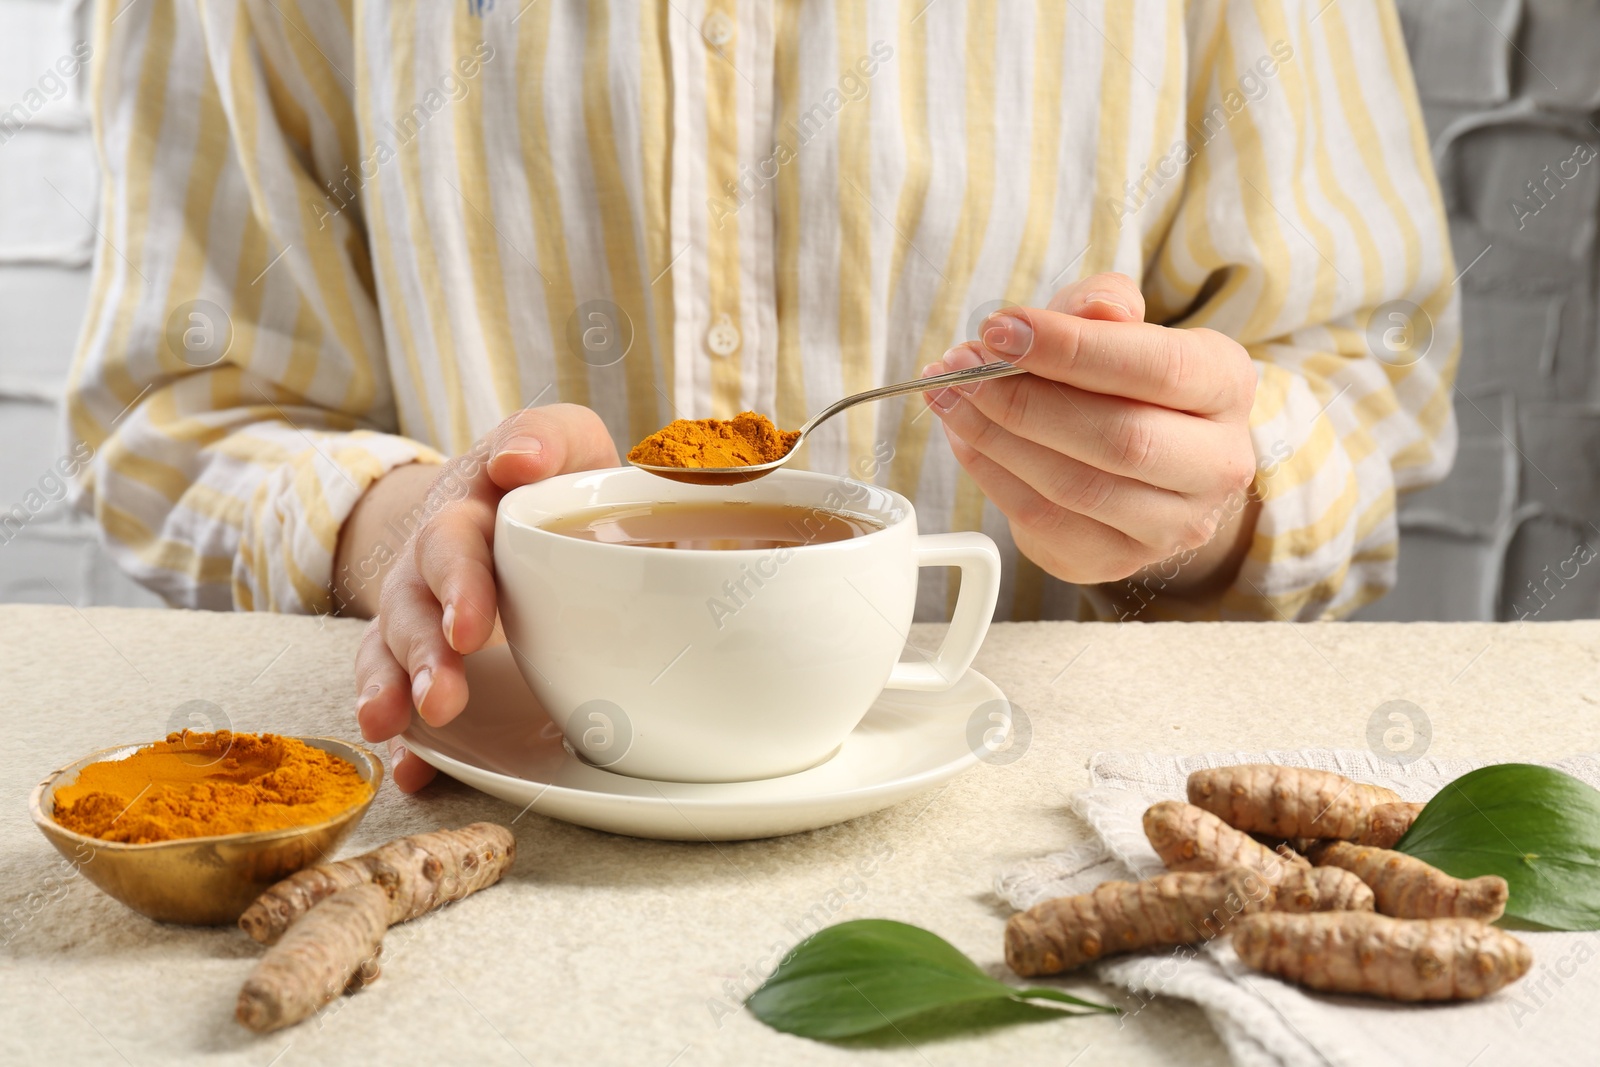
x=339 y=237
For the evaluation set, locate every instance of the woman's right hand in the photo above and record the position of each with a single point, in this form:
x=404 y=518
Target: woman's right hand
x=437 y=597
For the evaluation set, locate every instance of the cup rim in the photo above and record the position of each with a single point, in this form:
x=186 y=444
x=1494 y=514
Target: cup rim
x=900 y=503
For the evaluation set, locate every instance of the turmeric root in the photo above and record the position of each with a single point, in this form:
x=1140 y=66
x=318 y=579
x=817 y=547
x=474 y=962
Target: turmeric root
x=1401 y=959
x=370 y=970
x=1188 y=838
x=418 y=873
x=316 y=960
x=1321 y=889
x=1174 y=909
x=1408 y=888
x=1386 y=825
x=1288 y=801
x=1389 y=823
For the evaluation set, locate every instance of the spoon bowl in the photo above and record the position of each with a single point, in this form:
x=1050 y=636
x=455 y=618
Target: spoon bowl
x=749 y=473
x=717 y=475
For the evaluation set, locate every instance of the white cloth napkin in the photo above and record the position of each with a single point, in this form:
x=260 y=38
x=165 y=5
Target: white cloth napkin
x=1550 y=1017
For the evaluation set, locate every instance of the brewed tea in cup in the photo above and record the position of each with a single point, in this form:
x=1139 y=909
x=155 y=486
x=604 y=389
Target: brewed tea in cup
x=723 y=633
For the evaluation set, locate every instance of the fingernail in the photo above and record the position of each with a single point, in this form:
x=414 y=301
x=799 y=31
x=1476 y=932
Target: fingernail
x=1009 y=335
x=397 y=751
x=960 y=358
x=522 y=446
x=420 y=684
x=940 y=399
x=367 y=696
x=1110 y=302
x=448 y=624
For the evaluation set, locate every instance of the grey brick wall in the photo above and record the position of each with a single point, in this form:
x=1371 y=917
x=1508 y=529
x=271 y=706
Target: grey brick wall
x=47 y=201
x=1511 y=92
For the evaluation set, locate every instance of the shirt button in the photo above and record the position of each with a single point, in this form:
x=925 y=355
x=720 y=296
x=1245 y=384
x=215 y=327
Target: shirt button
x=717 y=29
x=723 y=338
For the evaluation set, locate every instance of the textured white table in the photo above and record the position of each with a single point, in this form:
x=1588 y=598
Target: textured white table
x=601 y=949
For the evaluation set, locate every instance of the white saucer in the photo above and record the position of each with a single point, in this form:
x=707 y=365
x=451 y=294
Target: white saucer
x=504 y=745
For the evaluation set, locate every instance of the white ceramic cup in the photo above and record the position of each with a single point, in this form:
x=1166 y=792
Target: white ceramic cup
x=724 y=665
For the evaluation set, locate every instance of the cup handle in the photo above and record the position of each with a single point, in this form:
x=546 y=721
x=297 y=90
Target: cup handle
x=979 y=561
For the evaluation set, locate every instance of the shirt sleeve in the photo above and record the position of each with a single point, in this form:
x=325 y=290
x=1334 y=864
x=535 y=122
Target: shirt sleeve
x=1309 y=227
x=230 y=385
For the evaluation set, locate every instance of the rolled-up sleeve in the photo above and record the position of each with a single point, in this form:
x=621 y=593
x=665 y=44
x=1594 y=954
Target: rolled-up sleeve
x=230 y=381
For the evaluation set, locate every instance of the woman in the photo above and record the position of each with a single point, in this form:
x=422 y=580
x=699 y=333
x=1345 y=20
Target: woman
x=342 y=246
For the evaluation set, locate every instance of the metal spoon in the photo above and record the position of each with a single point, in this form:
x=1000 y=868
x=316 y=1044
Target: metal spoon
x=735 y=475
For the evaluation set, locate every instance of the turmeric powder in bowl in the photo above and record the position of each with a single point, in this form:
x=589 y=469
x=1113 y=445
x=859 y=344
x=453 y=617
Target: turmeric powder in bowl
x=747 y=440
x=206 y=785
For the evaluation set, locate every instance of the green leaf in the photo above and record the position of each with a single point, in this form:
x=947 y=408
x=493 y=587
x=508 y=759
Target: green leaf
x=1537 y=828
x=862 y=976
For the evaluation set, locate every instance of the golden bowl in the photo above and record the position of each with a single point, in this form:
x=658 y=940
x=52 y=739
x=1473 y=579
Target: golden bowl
x=202 y=881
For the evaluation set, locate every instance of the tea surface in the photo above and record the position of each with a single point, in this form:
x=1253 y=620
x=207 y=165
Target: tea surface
x=726 y=526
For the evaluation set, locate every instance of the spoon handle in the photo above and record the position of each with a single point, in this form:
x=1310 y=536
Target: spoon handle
x=983 y=372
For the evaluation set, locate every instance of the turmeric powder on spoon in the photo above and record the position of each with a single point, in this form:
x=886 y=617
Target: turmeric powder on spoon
x=209 y=784
x=747 y=440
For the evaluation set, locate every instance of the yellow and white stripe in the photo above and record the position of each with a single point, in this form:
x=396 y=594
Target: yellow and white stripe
x=410 y=215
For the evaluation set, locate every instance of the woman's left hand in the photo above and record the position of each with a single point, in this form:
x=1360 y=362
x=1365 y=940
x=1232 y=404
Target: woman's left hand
x=1127 y=443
